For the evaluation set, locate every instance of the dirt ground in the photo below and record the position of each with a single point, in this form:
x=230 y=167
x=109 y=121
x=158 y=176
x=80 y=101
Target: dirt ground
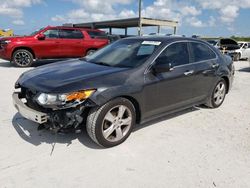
x=197 y=147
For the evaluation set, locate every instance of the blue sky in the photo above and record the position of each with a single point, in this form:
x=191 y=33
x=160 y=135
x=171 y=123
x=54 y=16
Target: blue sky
x=202 y=17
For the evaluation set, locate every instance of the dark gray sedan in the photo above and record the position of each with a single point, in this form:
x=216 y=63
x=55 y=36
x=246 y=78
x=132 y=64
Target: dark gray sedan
x=128 y=82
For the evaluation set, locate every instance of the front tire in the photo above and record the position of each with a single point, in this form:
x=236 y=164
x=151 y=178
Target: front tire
x=112 y=123
x=218 y=95
x=22 y=58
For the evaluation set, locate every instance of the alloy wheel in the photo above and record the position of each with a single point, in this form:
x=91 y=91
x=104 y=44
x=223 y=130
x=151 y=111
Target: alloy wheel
x=116 y=123
x=22 y=59
x=219 y=93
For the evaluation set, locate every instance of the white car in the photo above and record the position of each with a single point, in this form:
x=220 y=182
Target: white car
x=244 y=51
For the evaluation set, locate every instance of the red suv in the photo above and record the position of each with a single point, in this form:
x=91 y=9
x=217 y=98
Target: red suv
x=51 y=43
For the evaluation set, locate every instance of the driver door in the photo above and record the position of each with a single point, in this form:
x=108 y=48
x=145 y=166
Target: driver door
x=174 y=87
x=50 y=46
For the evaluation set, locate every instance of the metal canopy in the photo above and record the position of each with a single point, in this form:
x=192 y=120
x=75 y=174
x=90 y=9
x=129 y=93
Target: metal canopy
x=127 y=23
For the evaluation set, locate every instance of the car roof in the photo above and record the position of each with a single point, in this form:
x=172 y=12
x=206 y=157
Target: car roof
x=64 y=27
x=166 y=39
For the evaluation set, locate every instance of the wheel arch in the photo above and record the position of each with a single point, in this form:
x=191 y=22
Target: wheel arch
x=133 y=101
x=23 y=48
x=227 y=82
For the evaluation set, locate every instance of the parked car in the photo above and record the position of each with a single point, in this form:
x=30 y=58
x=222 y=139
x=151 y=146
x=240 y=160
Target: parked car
x=244 y=51
x=130 y=81
x=226 y=46
x=50 y=43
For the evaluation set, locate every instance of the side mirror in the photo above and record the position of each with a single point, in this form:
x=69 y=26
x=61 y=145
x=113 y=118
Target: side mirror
x=41 y=36
x=160 y=68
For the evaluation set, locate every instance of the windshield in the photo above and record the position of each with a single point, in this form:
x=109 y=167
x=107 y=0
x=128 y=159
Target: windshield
x=36 y=31
x=124 y=53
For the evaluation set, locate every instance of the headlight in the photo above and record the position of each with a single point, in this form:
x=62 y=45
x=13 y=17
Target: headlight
x=64 y=99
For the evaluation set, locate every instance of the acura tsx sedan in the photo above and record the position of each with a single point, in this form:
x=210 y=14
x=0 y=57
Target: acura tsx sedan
x=128 y=82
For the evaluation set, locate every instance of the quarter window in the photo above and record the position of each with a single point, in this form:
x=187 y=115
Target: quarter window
x=51 y=33
x=201 y=52
x=176 y=54
x=71 y=34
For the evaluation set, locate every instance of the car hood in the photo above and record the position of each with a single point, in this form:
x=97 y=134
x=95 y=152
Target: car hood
x=16 y=38
x=229 y=44
x=68 y=76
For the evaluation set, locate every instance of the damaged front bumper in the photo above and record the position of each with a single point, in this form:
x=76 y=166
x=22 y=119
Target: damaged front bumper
x=57 y=120
x=28 y=113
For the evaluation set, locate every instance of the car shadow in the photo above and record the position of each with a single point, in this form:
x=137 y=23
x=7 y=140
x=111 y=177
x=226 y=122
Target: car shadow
x=167 y=117
x=29 y=132
x=247 y=69
x=6 y=64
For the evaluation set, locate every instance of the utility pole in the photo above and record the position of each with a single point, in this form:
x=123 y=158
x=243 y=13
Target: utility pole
x=140 y=24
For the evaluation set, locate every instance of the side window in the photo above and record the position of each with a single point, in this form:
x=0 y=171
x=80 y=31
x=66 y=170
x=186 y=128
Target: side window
x=248 y=45
x=201 y=52
x=71 y=34
x=176 y=54
x=94 y=34
x=51 y=33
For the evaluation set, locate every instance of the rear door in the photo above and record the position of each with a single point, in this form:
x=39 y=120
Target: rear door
x=205 y=63
x=71 y=42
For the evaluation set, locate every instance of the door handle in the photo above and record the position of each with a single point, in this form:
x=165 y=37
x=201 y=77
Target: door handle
x=188 y=73
x=215 y=65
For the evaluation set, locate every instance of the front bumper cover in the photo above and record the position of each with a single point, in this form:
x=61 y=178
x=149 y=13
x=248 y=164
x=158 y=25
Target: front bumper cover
x=28 y=113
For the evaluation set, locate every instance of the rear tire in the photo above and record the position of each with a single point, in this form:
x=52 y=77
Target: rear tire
x=22 y=58
x=218 y=95
x=112 y=123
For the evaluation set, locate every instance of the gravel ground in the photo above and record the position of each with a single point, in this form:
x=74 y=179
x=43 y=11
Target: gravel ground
x=197 y=147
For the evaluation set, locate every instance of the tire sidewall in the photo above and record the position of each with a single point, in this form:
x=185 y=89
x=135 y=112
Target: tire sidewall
x=98 y=131
x=212 y=97
x=26 y=51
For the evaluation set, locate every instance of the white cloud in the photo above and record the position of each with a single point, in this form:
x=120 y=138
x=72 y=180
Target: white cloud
x=58 y=18
x=127 y=14
x=211 y=21
x=229 y=13
x=228 y=9
x=186 y=12
x=190 y=10
x=18 y=22
x=95 y=10
x=193 y=21
x=14 y=9
x=10 y=12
